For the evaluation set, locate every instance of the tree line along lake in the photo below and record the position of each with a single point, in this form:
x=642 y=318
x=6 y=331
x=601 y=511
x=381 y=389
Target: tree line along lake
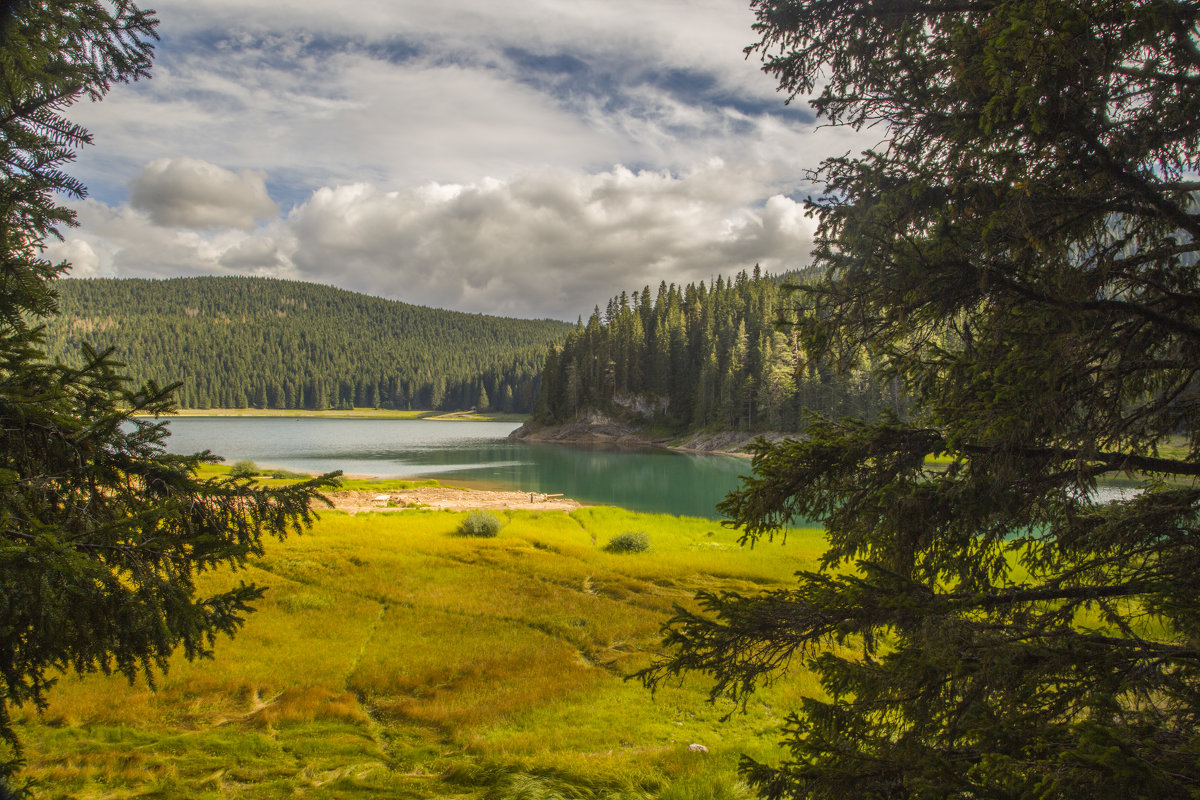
x=471 y=454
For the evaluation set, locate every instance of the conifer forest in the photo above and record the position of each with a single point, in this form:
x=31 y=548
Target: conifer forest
x=258 y=342
x=695 y=357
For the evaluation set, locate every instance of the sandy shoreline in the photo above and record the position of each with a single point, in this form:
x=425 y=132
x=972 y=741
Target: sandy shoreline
x=440 y=497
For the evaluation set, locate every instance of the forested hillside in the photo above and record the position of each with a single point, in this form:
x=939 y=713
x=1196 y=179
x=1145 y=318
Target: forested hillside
x=261 y=342
x=697 y=357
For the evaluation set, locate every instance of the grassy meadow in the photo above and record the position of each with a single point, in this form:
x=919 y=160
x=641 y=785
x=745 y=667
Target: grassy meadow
x=394 y=658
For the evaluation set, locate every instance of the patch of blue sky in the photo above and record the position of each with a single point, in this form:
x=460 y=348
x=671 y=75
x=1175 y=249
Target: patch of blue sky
x=105 y=174
x=281 y=49
x=802 y=194
x=570 y=80
x=109 y=192
x=608 y=84
x=290 y=188
x=556 y=64
x=741 y=127
x=697 y=88
x=396 y=50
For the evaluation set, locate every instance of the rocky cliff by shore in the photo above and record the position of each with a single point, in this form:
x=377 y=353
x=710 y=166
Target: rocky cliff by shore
x=595 y=427
x=733 y=443
x=590 y=427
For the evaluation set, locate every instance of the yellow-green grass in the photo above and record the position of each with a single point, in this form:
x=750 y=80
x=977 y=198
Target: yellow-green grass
x=358 y=484
x=392 y=657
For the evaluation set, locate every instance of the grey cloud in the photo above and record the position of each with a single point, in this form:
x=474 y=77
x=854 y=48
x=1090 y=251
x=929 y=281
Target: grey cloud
x=400 y=110
x=550 y=243
x=254 y=255
x=547 y=243
x=190 y=193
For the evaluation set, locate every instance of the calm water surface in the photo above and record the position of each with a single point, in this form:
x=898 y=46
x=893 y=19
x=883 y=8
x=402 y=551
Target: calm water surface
x=469 y=454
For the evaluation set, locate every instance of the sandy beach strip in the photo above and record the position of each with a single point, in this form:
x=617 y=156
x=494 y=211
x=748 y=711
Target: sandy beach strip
x=447 y=498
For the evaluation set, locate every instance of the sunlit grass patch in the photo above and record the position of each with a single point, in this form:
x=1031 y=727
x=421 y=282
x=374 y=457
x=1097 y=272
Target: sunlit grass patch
x=308 y=704
x=685 y=546
x=388 y=652
x=508 y=781
x=457 y=674
x=282 y=477
x=222 y=762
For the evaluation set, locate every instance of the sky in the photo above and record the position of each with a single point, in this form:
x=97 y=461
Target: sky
x=527 y=159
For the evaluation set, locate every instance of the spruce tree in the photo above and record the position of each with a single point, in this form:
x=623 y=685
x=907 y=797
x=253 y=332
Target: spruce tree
x=102 y=532
x=1020 y=253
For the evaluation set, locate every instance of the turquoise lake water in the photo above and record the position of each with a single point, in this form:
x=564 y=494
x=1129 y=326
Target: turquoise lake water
x=476 y=454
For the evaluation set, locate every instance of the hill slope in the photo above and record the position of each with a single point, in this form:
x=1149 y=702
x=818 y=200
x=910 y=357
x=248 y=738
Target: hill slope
x=243 y=342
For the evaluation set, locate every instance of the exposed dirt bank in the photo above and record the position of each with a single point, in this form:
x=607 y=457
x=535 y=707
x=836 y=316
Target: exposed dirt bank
x=446 y=498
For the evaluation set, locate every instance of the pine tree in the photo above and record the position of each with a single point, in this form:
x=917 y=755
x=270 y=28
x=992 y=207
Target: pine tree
x=1022 y=255
x=102 y=533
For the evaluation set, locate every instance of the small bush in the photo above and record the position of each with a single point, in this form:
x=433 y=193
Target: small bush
x=243 y=469
x=480 y=523
x=628 y=542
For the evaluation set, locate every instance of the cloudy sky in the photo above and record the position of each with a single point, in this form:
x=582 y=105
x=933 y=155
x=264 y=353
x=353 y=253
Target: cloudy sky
x=527 y=159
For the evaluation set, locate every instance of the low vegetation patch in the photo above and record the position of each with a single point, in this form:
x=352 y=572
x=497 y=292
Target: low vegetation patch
x=244 y=469
x=628 y=542
x=480 y=523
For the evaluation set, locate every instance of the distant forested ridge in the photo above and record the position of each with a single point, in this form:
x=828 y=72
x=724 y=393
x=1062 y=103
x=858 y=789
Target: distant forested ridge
x=701 y=357
x=262 y=342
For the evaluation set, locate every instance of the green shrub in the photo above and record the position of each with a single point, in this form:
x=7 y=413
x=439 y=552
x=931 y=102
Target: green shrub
x=628 y=542
x=243 y=469
x=288 y=474
x=480 y=523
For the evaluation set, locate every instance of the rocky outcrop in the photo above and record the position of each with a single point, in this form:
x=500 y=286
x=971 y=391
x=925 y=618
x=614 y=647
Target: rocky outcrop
x=596 y=427
x=590 y=427
x=727 y=442
x=641 y=406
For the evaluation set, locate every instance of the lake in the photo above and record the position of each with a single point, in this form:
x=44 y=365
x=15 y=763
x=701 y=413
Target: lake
x=474 y=454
